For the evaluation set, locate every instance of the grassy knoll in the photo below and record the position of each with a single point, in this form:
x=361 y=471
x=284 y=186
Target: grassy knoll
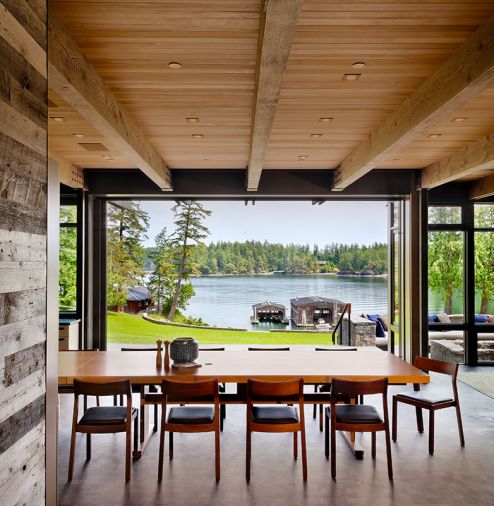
x=132 y=329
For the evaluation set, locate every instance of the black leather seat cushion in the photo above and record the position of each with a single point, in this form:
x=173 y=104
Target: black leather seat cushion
x=425 y=396
x=106 y=415
x=191 y=414
x=325 y=387
x=359 y=413
x=274 y=414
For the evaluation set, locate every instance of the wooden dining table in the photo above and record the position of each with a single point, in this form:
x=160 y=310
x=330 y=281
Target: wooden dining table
x=237 y=366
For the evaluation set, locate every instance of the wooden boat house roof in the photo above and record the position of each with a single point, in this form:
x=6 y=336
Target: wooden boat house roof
x=315 y=301
x=268 y=303
x=138 y=293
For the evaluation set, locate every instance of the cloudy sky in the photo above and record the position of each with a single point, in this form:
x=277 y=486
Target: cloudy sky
x=283 y=222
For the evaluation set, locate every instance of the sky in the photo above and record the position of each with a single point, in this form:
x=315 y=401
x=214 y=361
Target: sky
x=283 y=222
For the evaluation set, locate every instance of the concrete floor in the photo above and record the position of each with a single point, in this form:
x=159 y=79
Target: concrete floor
x=453 y=476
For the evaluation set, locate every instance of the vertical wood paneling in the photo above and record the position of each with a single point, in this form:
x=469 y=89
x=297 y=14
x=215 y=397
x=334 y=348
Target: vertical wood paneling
x=23 y=208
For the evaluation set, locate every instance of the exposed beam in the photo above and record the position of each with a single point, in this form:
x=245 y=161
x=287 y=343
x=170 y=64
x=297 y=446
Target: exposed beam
x=467 y=72
x=276 y=29
x=72 y=76
x=474 y=157
x=482 y=188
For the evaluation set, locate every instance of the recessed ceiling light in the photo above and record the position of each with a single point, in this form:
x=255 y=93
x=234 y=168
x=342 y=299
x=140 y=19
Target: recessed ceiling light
x=79 y=136
x=205 y=159
x=358 y=65
x=174 y=65
x=351 y=77
x=198 y=136
x=192 y=120
x=396 y=159
x=459 y=119
x=303 y=157
x=434 y=136
x=57 y=118
x=326 y=119
x=108 y=157
x=316 y=136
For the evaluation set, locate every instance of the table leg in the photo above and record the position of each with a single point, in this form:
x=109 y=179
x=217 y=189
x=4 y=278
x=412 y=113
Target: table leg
x=354 y=443
x=145 y=428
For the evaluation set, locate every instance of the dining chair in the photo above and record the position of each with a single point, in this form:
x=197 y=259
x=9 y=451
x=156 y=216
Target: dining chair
x=326 y=387
x=427 y=399
x=261 y=418
x=251 y=348
x=221 y=386
x=190 y=418
x=357 y=417
x=103 y=419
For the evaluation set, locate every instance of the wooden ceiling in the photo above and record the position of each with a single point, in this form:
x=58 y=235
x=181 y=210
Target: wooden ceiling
x=216 y=42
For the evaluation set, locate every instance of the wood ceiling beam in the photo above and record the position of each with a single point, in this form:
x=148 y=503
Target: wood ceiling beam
x=467 y=72
x=72 y=76
x=474 y=157
x=482 y=188
x=276 y=30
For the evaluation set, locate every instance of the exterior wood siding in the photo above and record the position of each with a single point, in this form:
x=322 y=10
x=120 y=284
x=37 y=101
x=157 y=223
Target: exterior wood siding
x=23 y=208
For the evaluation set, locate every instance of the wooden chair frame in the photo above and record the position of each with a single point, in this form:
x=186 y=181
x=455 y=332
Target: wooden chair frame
x=438 y=366
x=203 y=392
x=286 y=392
x=352 y=389
x=87 y=388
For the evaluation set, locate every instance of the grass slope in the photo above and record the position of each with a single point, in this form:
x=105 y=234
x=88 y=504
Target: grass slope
x=132 y=329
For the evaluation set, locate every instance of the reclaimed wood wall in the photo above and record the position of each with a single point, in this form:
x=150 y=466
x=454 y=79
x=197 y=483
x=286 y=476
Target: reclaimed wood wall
x=23 y=205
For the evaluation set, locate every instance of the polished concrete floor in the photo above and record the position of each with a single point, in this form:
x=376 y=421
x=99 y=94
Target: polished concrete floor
x=453 y=476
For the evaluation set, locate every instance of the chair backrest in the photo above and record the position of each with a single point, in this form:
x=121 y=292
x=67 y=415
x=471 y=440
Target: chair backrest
x=349 y=388
x=337 y=348
x=275 y=390
x=268 y=349
x=139 y=349
x=439 y=366
x=120 y=387
x=197 y=391
x=212 y=349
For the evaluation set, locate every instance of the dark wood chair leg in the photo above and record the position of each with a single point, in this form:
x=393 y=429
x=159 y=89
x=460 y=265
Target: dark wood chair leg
x=395 y=419
x=304 y=453
x=314 y=409
x=420 y=420
x=115 y=400
x=170 y=446
x=295 y=446
x=460 y=424
x=128 y=448
x=431 y=431
x=155 y=421
x=88 y=446
x=333 y=453
x=326 y=436
x=162 y=449
x=217 y=452
x=373 y=449
x=247 y=455
x=136 y=434
x=388 y=453
x=72 y=454
x=321 y=417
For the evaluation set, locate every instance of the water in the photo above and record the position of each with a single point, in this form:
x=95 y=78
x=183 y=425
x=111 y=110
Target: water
x=227 y=301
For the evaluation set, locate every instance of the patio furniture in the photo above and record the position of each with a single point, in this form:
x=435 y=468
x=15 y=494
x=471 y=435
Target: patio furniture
x=357 y=417
x=430 y=400
x=190 y=418
x=103 y=419
x=261 y=418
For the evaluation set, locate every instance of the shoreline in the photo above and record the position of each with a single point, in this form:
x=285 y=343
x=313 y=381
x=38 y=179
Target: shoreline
x=283 y=273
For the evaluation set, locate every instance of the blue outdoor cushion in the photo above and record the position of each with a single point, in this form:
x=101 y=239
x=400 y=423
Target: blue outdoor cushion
x=379 y=326
x=481 y=318
x=432 y=318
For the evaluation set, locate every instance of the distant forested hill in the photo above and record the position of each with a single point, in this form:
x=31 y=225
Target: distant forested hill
x=261 y=257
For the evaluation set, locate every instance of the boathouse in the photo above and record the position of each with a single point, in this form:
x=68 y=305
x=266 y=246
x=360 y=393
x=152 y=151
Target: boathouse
x=310 y=311
x=270 y=312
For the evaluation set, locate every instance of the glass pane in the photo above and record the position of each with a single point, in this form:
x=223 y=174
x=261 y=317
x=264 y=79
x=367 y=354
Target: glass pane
x=446 y=287
x=484 y=215
x=443 y=215
x=484 y=277
x=485 y=346
x=68 y=269
x=447 y=345
x=68 y=214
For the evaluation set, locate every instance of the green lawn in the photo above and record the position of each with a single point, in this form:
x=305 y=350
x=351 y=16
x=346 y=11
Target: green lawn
x=132 y=329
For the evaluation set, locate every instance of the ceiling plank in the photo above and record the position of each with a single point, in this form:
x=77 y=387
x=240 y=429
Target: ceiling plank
x=467 y=72
x=474 y=157
x=276 y=30
x=482 y=188
x=76 y=80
